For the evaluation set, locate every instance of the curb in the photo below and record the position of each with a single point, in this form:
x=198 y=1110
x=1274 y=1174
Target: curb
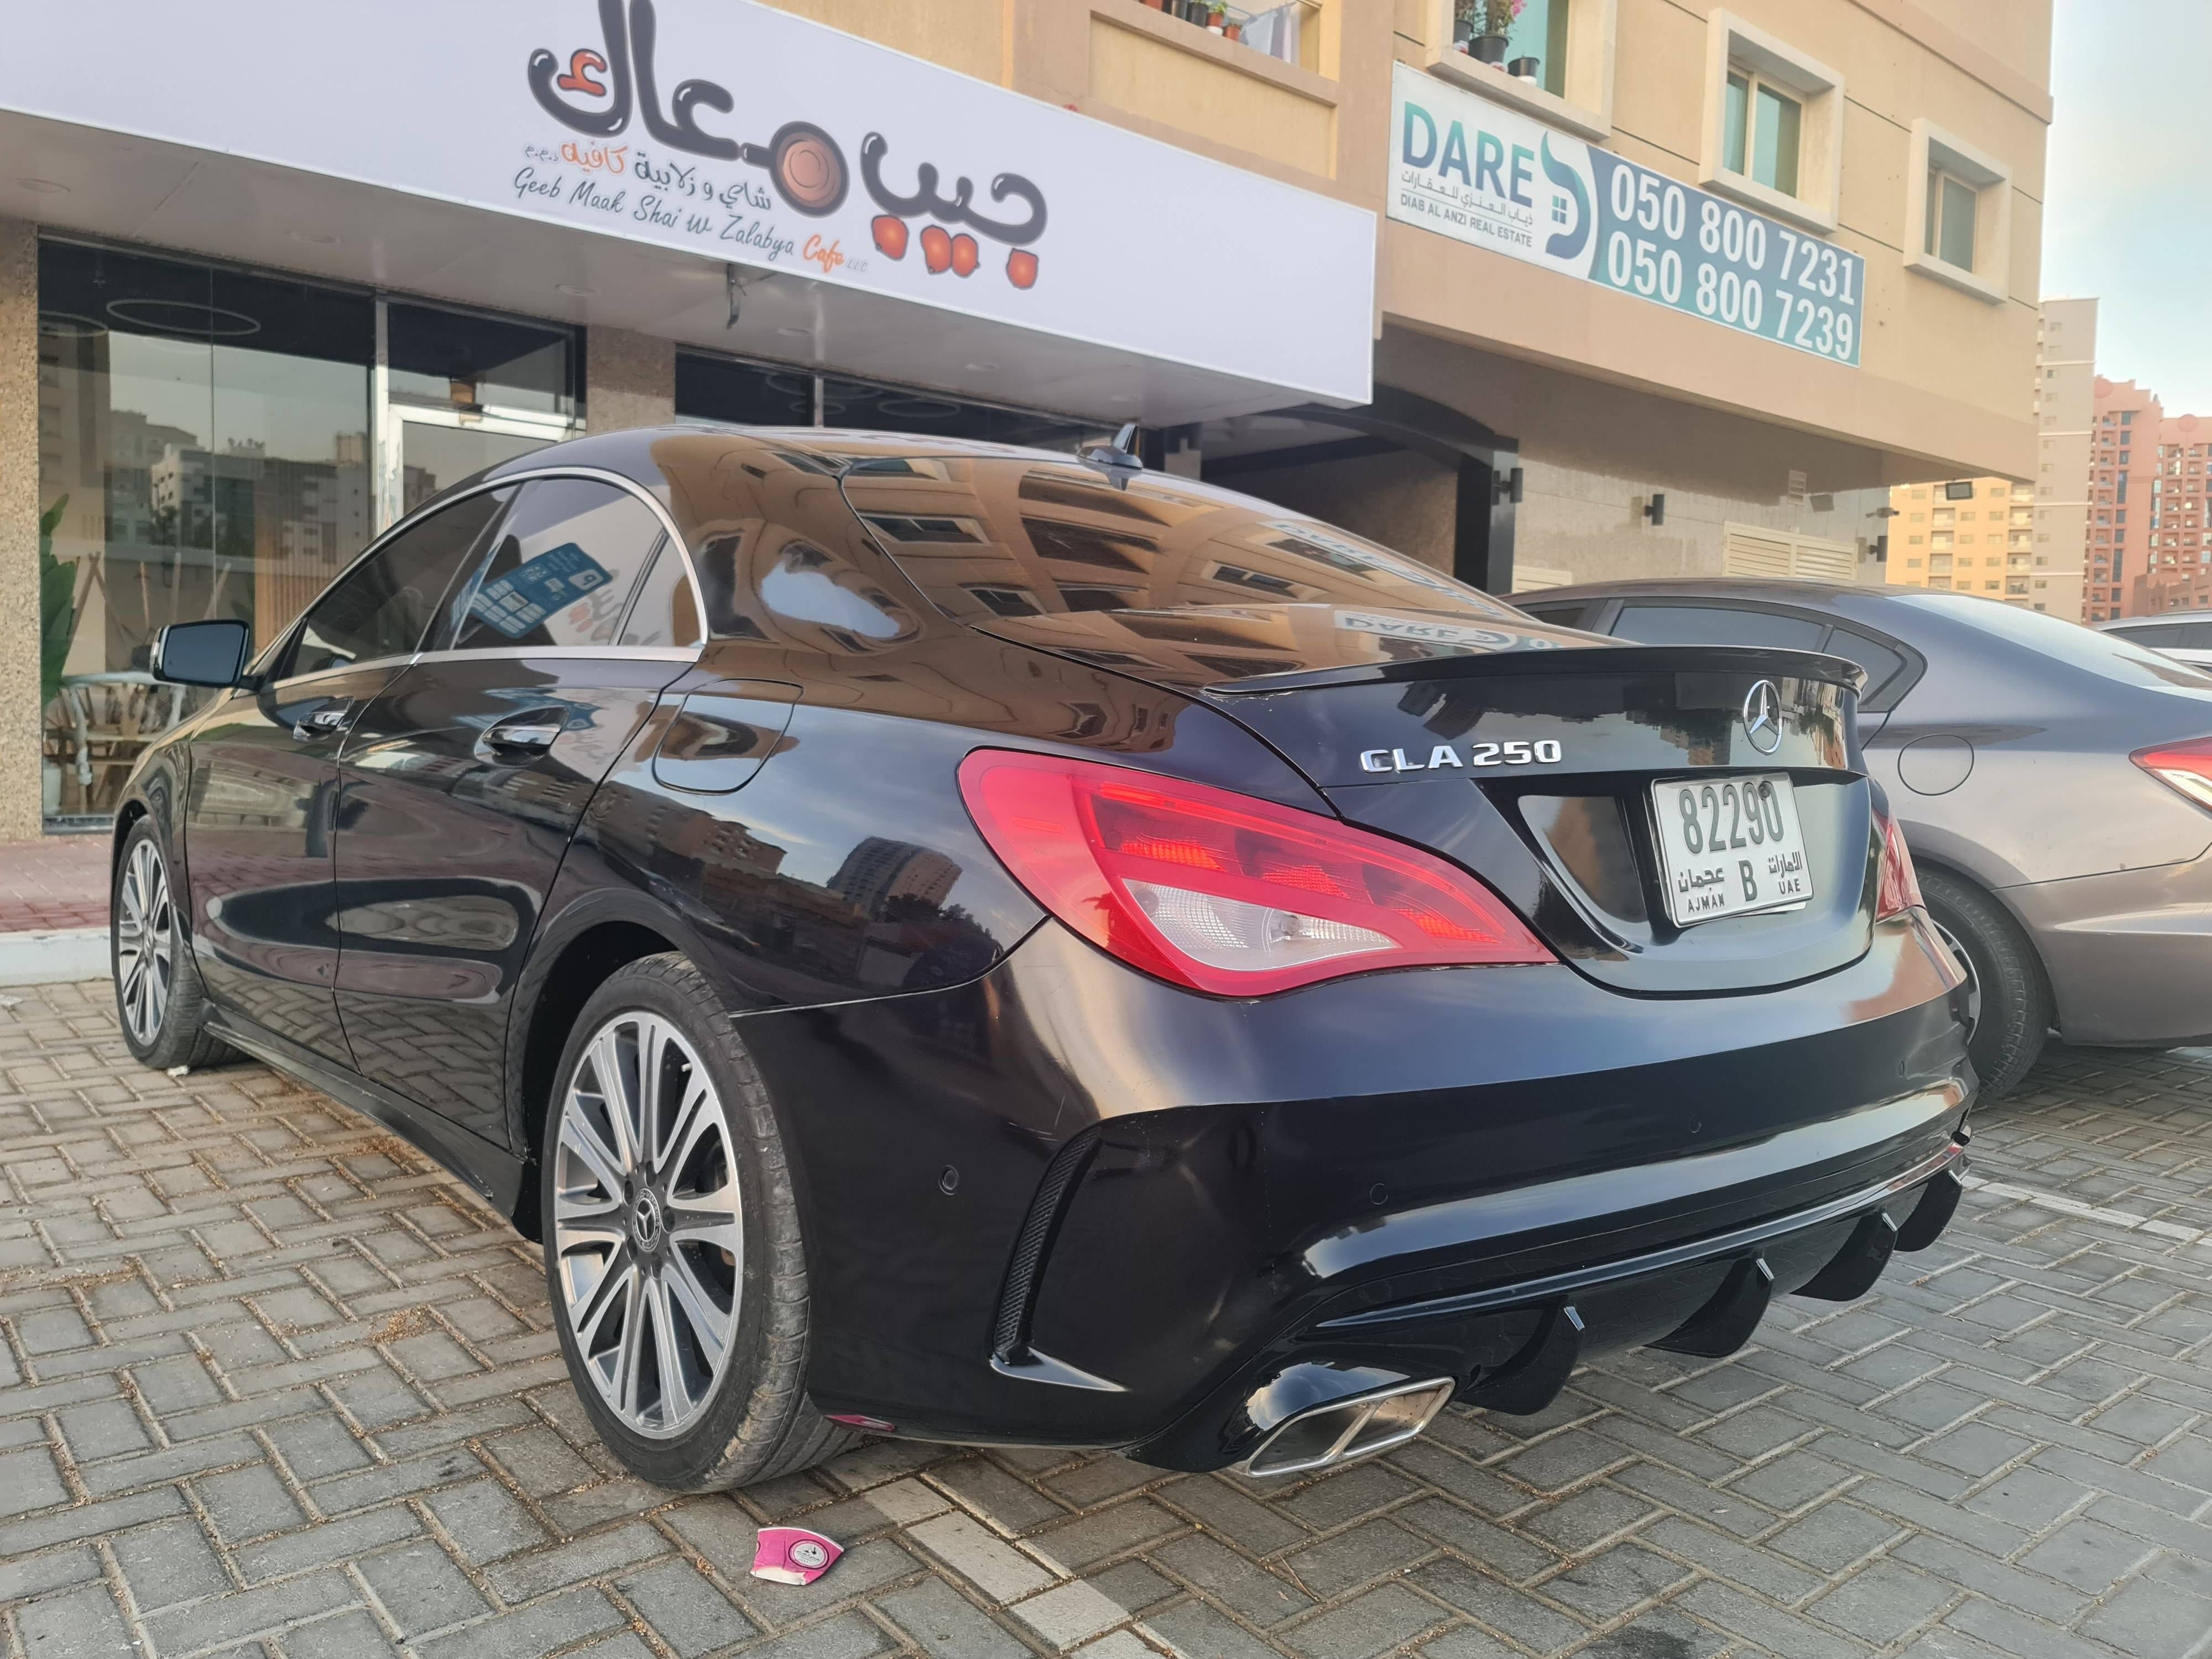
x=53 y=956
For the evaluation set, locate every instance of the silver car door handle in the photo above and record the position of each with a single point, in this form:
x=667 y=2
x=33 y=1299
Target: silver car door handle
x=521 y=734
x=323 y=722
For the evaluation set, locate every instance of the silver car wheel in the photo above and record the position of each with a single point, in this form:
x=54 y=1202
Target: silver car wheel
x=647 y=1223
x=1966 y=967
x=145 y=942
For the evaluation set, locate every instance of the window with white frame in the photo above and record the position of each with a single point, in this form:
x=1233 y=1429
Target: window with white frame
x=1773 y=125
x=1950 y=232
x=1764 y=126
x=1959 y=209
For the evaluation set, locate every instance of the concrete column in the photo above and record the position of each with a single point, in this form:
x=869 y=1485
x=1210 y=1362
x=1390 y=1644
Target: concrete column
x=630 y=381
x=19 y=531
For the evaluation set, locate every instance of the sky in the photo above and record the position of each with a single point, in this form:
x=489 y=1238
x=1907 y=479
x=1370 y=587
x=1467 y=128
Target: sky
x=2128 y=214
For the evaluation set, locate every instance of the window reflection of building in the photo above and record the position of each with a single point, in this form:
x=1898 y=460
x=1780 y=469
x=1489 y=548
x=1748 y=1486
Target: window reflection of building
x=879 y=872
x=1226 y=582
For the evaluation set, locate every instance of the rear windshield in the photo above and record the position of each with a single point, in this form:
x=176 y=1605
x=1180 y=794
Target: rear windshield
x=987 y=535
x=2101 y=653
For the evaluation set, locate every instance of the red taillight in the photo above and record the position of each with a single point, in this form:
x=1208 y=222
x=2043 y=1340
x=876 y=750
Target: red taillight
x=1898 y=890
x=2185 y=766
x=1222 y=892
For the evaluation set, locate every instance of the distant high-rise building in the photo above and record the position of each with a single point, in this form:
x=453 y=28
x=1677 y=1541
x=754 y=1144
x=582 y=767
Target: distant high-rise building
x=2122 y=451
x=1970 y=535
x=2066 y=375
x=2171 y=461
x=2120 y=483
x=2023 y=543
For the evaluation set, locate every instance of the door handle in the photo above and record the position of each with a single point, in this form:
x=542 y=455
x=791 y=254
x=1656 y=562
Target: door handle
x=525 y=733
x=327 y=721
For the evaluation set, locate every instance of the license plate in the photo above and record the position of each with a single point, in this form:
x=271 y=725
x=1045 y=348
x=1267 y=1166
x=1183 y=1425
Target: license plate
x=1730 y=847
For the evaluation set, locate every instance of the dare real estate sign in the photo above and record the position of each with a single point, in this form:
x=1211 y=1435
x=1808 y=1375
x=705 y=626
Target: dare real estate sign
x=1482 y=174
x=743 y=134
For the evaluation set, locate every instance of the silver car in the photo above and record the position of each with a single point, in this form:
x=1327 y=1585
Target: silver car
x=2054 y=783
x=2184 y=635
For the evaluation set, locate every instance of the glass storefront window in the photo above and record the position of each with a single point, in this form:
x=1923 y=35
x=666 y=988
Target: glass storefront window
x=205 y=435
x=725 y=390
x=468 y=391
x=462 y=359
x=209 y=446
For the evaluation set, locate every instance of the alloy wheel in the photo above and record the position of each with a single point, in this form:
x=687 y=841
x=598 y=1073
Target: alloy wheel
x=1966 y=967
x=647 y=1223
x=145 y=942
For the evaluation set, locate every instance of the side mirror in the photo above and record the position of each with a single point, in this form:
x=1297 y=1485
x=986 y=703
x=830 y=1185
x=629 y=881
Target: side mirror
x=201 y=653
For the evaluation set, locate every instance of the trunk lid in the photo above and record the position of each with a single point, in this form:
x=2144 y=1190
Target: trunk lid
x=1527 y=754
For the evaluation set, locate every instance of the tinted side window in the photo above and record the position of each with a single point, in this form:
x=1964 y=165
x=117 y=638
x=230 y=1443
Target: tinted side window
x=384 y=605
x=1697 y=624
x=562 y=569
x=666 y=613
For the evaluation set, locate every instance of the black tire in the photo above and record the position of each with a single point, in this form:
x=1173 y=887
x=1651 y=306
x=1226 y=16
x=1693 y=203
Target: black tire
x=2014 y=1007
x=159 y=1003
x=754 y=1422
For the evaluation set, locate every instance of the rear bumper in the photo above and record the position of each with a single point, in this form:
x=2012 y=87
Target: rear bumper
x=1162 y=1200
x=2128 y=954
x=1509 y=1346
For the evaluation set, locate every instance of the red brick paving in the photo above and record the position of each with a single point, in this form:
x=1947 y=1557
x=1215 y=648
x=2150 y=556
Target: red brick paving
x=58 y=881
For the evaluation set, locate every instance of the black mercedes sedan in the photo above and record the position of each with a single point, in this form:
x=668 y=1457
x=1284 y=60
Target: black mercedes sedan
x=943 y=940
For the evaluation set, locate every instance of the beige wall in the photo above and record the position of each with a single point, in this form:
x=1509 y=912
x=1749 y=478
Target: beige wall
x=972 y=36
x=18 y=530
x=1592 y=455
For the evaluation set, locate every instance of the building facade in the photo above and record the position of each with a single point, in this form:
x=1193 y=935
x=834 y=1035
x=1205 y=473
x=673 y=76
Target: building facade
x=2161 y=460
x=1974 y=535
x=2127 y=426
x=2065 y=413
x=1680 y=289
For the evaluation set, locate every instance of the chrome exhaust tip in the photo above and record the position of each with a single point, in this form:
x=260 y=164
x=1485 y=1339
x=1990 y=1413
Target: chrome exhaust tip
x=1359 y=1425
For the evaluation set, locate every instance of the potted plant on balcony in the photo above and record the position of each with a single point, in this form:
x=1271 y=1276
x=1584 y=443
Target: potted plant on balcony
x=1496 y=17
x=1216 y=21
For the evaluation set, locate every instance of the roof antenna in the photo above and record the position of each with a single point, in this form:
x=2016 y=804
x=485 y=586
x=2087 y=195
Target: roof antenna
x=1118 y=460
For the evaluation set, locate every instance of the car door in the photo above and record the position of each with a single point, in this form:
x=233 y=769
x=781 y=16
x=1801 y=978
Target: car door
x=463 y=782
x=262 y=807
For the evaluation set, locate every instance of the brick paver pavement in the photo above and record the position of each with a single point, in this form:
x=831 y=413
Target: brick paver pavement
x=272 y=1385
x=58 y=881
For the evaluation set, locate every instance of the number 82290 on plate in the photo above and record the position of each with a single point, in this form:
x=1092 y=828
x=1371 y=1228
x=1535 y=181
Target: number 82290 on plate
x=1730 y=847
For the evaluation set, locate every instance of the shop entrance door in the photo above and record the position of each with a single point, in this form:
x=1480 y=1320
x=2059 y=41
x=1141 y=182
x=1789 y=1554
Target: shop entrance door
x=427 y=450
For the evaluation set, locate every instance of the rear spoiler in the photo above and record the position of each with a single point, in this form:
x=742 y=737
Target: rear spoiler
x=1772 y=661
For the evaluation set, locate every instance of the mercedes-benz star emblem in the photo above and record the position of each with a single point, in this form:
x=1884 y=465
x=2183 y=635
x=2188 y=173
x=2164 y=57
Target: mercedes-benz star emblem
x=1762 y=716
x=645 y=1222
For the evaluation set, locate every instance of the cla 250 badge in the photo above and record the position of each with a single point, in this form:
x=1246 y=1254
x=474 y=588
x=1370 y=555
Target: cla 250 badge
x=1545 y=752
